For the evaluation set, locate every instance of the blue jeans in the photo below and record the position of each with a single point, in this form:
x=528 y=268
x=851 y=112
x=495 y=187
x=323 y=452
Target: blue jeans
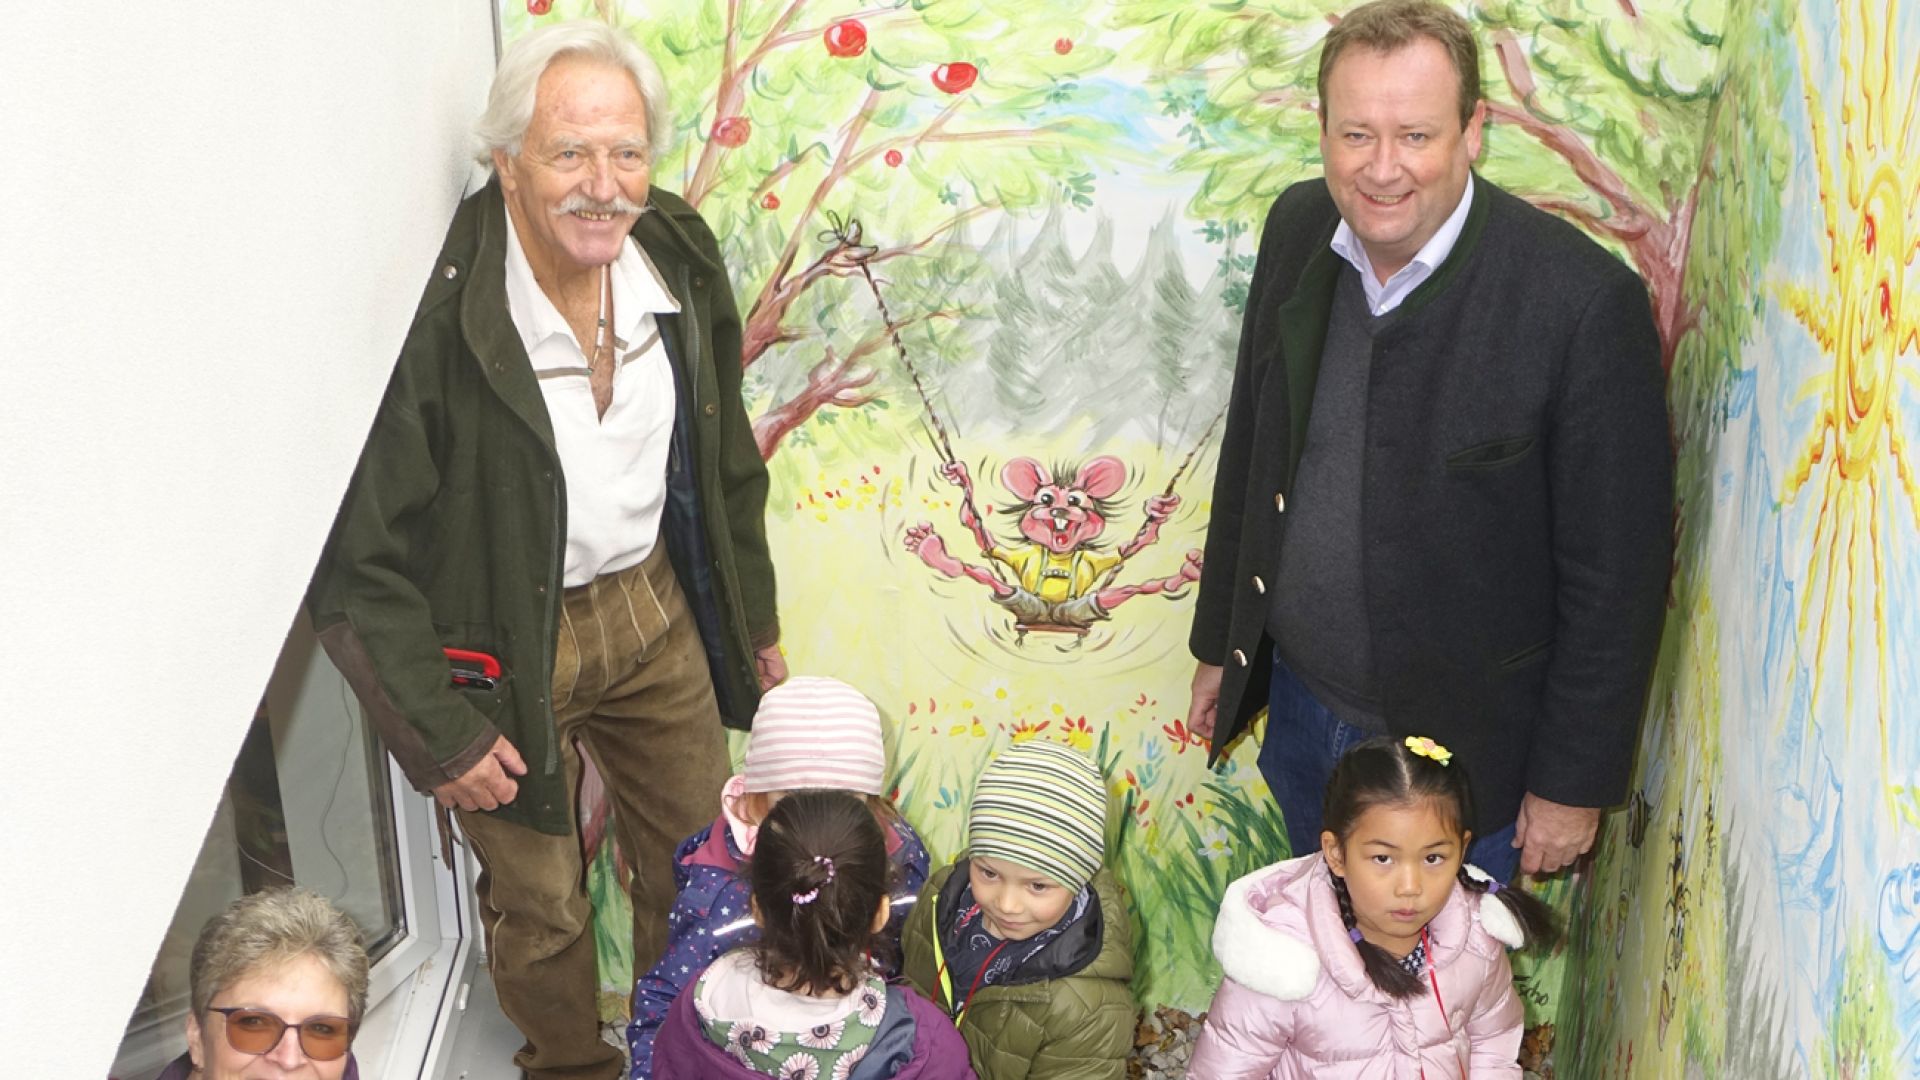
x=1302 y=744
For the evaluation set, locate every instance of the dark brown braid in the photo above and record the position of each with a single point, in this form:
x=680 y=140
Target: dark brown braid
x=1538 y=923
x=1383 y=969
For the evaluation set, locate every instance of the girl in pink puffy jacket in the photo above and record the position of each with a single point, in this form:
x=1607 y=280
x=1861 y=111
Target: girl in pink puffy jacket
x=1382 y=955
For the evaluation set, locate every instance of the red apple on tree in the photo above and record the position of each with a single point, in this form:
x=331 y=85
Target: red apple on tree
x=539 y=7
x=894 y=158
x=770 y=201
x=1063 y=46
x=955 y=77
x=846 y=38
x=732 y=131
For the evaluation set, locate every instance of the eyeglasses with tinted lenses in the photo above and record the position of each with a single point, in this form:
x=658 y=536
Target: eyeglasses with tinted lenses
x=256 y=1031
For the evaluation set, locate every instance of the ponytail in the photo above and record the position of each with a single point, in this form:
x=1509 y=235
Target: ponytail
x=818 y=874
x=1538 y=923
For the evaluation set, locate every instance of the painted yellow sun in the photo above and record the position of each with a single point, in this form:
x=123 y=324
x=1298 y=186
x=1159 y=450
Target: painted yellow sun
x=1865 y=314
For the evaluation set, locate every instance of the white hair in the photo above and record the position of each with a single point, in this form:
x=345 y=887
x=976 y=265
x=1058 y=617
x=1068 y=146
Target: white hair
x=510 y=102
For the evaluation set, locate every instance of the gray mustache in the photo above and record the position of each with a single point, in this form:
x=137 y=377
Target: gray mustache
x=578 y=203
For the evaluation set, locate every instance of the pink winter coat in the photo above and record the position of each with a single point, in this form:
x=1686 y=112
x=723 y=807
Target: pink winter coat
x=1296 y=1001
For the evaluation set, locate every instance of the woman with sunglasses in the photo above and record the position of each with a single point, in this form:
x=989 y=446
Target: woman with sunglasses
x=278 y=983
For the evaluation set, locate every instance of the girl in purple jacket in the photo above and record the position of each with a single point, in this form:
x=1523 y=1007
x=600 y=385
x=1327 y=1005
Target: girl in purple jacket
x=1383 y=954
x=806 y=1002
x=809 y=732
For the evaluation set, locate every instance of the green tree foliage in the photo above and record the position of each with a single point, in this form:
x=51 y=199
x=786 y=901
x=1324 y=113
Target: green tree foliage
x=1596 y=111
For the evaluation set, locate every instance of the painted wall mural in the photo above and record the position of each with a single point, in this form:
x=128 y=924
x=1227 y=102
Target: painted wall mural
x=992 y=254
x=1756 y=915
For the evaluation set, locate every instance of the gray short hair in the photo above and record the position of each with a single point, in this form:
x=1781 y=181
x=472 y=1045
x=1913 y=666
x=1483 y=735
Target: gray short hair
x=510 y=101
x=262 y=930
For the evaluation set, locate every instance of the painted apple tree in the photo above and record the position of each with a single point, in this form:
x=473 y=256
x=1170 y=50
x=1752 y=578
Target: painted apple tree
x=917 y=121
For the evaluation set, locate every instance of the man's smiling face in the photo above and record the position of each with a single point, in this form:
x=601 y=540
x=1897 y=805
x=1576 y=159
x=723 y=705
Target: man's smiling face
x=1396 y=155
x=580 y=179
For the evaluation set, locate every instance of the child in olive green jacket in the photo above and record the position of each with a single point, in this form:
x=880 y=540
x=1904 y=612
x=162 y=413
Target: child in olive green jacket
x=1025 y=942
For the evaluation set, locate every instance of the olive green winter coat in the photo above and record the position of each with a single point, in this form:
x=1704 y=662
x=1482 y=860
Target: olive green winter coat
x=453 y=531
x=1076 y=1022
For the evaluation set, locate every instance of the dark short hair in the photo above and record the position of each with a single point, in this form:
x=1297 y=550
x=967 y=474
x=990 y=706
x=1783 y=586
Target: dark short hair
x=819 y=870
x=1391 y=25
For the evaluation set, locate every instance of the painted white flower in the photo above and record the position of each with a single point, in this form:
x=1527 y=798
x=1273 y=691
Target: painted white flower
x=873 y=1006
x=843 y=1069
x=1215 y=842
x=799 y=1067
x=824 y=1036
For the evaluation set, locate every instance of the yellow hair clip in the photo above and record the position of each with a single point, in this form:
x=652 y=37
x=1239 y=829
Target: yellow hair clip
x=1429 y=749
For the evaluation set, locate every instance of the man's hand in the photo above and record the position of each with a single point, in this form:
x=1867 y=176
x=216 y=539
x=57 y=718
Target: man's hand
x=1552 y=835
x=486 y=786
x=771 y=665
x=1205 y=701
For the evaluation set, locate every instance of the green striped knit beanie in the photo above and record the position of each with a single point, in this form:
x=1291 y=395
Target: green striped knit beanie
x=1041 y=805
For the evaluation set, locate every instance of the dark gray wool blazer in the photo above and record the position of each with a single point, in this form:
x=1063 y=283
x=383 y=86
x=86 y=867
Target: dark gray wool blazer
x=1516 y=497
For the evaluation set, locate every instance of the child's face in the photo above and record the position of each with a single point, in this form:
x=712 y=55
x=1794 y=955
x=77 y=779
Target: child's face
x=1400 y=862
x=1016 y=902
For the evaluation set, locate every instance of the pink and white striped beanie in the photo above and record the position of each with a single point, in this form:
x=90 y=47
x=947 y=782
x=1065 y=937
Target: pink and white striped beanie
x=816 y=732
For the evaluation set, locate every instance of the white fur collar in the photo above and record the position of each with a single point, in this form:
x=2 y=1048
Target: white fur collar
x=1493 y=915
x=1257 y=956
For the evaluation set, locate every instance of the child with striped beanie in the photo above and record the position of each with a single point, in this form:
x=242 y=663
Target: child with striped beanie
x=810 y=732
x=1025 y=941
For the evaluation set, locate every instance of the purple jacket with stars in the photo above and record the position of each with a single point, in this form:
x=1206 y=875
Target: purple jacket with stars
x=916 y=1041
x=710 y=915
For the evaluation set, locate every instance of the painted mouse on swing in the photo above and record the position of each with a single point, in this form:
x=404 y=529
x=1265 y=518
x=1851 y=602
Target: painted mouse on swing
x=1061 y=577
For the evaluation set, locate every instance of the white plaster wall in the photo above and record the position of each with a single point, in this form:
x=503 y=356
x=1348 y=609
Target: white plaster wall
x=215 y=221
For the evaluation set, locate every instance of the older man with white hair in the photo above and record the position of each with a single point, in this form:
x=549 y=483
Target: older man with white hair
x=555 y=533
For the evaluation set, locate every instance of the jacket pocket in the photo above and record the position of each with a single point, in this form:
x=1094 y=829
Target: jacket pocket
x=1532 y=654
x=490 y=701
x=1489 y=455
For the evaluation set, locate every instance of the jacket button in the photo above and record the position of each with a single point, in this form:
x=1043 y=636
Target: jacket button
x=541 y=589
x=1280 y=501
x=1259 y=586
x=711 y=408
x=1240 y=657
x=449 y=271
x=699 y=283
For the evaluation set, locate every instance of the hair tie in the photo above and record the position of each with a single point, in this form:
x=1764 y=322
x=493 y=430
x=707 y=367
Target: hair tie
x=1355 y=935
x=1492 y=887
x=1427 y=748
x=813 y=894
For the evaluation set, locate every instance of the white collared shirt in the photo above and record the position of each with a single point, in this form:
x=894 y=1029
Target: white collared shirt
x=615 y=465
x=1383 y=297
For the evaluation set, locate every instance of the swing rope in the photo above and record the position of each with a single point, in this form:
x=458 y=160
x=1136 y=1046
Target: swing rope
x=847 y=234
x=1114 y=571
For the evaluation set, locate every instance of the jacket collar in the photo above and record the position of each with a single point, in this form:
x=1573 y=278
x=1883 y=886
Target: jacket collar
x=1077 y=947
x=1280 y=927
x=476 y=251
x=1304 y=315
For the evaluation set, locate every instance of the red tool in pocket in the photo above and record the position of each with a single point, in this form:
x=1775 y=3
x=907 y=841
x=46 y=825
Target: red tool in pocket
x=473 y=670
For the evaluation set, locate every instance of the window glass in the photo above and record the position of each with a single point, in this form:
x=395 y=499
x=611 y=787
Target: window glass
x=307 y=803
